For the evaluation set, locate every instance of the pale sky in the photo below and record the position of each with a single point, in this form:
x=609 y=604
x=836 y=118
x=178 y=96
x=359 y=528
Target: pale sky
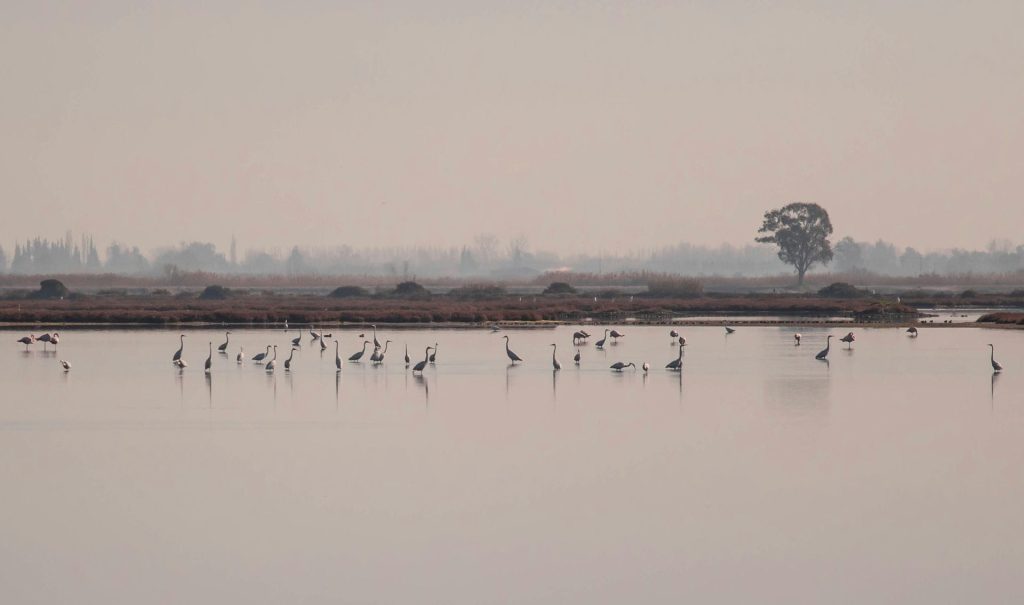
x=584 y=126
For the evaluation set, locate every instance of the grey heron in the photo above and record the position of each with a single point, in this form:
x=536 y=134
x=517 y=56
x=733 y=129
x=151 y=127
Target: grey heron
x=674 y=334
x=359 y=354
x=422 y=364
x=615 y=334
x=677 y=363
x=224 y=347
x=288 y=362
x=376 y=342
x=337 y=356
x=433 y=355
x=618 y=366
x=600 y=344
x=209 y=360
x=259 y=357
x=823 y=354
x=511 y=354
x=297 y=341
x=996 y=367
x=380 y=354
x=407 y=359
x=554 y=360
x=177 y=354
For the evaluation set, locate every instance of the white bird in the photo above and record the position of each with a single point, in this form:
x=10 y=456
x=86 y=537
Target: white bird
x=376 y=342
x=54 y=339
x=241 y=355
x=576 y=357
x=554 y=360
x=209 y=360
x=509 y=352
x=337 y=356
x=177 y=354
x=797 y=337
x=314 y=334
x=382 y=353
x=65 y=365
x=823 y=354
x=995 y=364
x=224 y=347
x=646 y=367
x=273 y=362
x=600 y=344
x=422 y=364
x=288 y=362
x=375 y=355
x=677 y=363
x=618 y=366
x=323 y=344
x=359 y=354
x=912 y=331
x=259 y=357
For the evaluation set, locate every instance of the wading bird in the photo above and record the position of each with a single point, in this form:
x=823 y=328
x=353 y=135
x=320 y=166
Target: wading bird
x=618 y=366
x=272 y=364
x=600 y=344
x=823 y=354
x=510 y=353
x=422 y=364
x=382 y=353
x=54 y=339
x=314 y=335
x=323 y=344
x=674 y=334
x=646 y=367
x=407 y=360
x=43 y=338
x=376 y=342
x=995 y=364
x=288 y=362
x=209 y=360
x=177 y=354
x=848 y=339
x=180 y=363
x=677 y=363
x=337 y=356
x=729 y=330
x=260 y=357
x=433 y=355
x=30 y=339
x=912 y=332
x=615 y=334
x=796 y=338
x=554 y=360
x=297 y=341
x=359 y=354
x=224 y=347
x=576 y=357
x=578 y=337
x=682 y=341
x=65 y=365
x=241 y=355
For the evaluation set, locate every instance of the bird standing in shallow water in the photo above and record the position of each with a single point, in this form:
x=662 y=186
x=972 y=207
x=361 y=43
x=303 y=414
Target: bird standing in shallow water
x=600 y=344
x=241 y=355
x=576 y=357
x=992 y=357
x=224 y=347
x=511 y=354
x=554 y=360
x=177 y=354
x=27 y=340
x=65 y=365
x=912 y=332
x=209 y=360
x=797 y=338
x=823 y=354
x=337 y=356
x=288 y=362
x=618 y=366
x=419 y=366
x=848 y=339
x=273 y=362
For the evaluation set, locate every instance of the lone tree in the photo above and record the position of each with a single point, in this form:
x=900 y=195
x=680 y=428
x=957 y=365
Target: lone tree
x=801 y=232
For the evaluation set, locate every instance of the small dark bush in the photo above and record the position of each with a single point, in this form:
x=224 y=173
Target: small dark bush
x=51 y=288
x=215 y=293
x=559 y=288
x=410 y=289
x=969 y=294
x=348 y=292
x=841 y=290
x=1017 y=294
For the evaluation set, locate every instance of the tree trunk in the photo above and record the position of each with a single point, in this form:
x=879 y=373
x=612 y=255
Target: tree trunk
x=800 y=276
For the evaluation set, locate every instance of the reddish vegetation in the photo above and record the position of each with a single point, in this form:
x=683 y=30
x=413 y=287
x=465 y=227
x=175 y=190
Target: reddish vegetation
x=1003 y=318
x=320 y=309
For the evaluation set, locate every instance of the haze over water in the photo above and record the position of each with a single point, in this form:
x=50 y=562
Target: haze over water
x=757 y=475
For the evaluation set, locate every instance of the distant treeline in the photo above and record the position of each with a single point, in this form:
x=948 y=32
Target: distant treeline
x=486 y=258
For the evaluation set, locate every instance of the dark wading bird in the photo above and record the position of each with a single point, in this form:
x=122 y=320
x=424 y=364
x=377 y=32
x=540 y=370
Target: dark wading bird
x=576 y=357
x=337 y=356
x=674 y=334
x=224 y=347
x=823 y=354
x=31 y=339
x=618 y=366
x=796 y=338
x=209 y=360
x=422 y=364
x=848 y=339
x=288 y=362
x=677 y=363
x=359 y=354
x=433 y=355
x=600 y=344
x=992 y=357
x=729 y=330
x=297 y=341
x=177 y=354
x=554 y=360
x=615 y=334
x=912 y=332
x=511 y=354
x=52 y=339
x=407 y=359
x=259 y=357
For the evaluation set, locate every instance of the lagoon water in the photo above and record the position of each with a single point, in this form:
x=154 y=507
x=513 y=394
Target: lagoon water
x=891 y=474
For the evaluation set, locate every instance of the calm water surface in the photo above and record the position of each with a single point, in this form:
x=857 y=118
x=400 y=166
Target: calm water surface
x=892 y=474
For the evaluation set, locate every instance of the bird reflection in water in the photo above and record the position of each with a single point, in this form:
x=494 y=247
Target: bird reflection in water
x=992 y=390
x=209 y=390
x=422 y=380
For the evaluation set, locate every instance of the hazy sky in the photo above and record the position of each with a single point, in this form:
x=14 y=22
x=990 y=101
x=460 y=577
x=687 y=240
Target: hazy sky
x=584 y=126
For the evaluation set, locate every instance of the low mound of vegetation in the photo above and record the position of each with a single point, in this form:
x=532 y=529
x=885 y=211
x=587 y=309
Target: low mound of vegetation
x=51 y=288
x=559 y=288
x=675 y=287
x=214 y=293
x=841 y=289
x=349 y=292
x=410 y=289
x=478 y=292
x=1016 y=319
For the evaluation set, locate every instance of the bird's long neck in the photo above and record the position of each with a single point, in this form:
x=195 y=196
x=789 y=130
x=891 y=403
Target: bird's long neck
x=385 y=348
x=992 y=352
x=426 y=356
x=290 y=355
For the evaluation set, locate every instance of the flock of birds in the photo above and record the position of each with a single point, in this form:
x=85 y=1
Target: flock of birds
x=268 y=358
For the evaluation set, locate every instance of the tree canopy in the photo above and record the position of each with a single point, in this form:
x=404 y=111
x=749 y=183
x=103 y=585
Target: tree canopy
x=801 y=232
